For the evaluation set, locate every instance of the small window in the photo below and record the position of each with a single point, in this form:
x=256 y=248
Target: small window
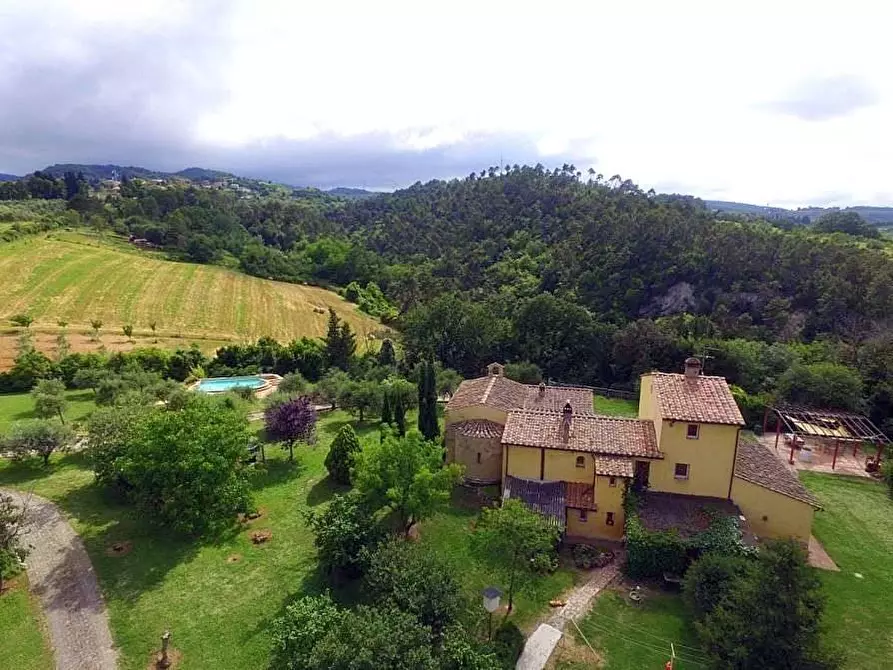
x=584 y=515
x=479 y=457
x=609 y=519
x=581 y=461
x=612 y=481
x=691 y=432
x=681 y=471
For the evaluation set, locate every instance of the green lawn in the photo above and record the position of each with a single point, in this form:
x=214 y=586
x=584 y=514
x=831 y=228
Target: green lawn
x=633 y=636
x=22 y=626
x=856 y=529
x=218 y=598
x=616 y=407
x=18 y=406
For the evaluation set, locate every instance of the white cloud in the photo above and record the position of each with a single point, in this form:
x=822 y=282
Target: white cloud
x=782 y=104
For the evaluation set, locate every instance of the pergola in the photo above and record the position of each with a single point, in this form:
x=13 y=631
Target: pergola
x=832 y=425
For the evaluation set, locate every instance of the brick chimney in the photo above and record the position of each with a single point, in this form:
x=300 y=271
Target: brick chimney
x=542 y=390
x=692 y=368
x=567 y=414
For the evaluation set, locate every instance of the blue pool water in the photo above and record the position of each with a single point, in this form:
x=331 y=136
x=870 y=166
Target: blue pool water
x=222 y=384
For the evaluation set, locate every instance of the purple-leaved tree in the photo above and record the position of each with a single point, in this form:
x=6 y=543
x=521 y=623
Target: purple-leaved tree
x=290 y=421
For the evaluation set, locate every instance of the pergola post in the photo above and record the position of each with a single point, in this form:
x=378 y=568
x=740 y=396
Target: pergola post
x=793 y=444
x=836 y=447
x=777 y=429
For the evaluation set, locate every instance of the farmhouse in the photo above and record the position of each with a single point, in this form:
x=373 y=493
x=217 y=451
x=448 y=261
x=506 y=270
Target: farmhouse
x=549 y=447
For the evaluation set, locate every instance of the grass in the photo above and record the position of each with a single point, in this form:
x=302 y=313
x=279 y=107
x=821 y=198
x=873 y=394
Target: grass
x=76 y=278
x=856 y=529
x=633 y=636
x=616 y=406
x=25 y=646
x=19 y=406
x=220 y=612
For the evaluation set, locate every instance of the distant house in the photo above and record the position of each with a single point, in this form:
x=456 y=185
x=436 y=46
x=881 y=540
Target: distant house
x=548 y=446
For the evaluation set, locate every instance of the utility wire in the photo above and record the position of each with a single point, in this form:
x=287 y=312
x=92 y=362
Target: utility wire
x=648 y=646
x=690 y=650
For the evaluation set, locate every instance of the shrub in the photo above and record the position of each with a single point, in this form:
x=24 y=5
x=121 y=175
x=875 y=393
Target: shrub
x=345 y=535
x=416 y=581
x=585 y=556
x=650 y=555
x=508 y=642
x=49 y=399
x=709 y=580
x=295 y=633
x=342 y=454
x=36 y=437
x=292 y=384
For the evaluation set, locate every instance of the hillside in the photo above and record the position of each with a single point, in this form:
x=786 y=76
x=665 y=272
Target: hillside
x=879 y=216
x=75 y=278
x=7 y=177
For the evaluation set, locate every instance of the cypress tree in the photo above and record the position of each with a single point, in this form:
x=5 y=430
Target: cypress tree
x=387 y=415
x=427 y=423
x=386 y=355
x=399 y=415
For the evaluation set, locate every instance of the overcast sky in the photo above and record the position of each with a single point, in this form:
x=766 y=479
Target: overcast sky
x=779 y=103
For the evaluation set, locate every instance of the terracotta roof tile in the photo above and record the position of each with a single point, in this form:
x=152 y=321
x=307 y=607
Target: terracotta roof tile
x=505 y=394
x=757 y=465
x=478 y=428
x=700 y=399
x=594 y=434
x=614 y=466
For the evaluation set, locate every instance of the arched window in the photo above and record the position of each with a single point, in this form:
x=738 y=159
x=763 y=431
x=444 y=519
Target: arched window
x=581 y=461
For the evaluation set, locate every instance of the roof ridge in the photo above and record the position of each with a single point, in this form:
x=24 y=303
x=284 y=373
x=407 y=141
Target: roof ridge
x=682 y=374
x=488 y=389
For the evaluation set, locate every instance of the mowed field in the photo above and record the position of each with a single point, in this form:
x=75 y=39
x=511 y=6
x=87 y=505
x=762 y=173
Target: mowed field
x=77 y=278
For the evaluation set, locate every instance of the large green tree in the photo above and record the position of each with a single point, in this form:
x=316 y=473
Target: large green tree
x=49 y=399
x=406 y=475
x=185 y=468
x=509 y=537
x=770 y=617
x=37 y=438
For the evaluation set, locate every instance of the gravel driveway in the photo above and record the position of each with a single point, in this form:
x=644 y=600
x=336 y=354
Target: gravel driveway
x=62 y=576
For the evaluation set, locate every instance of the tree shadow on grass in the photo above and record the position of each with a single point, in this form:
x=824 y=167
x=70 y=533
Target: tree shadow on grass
x=278 y=470
x=332 y=427
x=323 y=490
x=18 y=474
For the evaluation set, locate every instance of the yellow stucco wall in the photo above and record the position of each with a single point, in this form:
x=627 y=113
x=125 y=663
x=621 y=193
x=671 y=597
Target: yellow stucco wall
x=648 y=403
x=522 y=462
x=562 y=466
x=608 y=499
x=711 y=460
x=784 y=516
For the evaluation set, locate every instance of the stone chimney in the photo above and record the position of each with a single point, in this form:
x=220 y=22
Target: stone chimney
x=495 y=370
x=692 y=368
x=542 y=391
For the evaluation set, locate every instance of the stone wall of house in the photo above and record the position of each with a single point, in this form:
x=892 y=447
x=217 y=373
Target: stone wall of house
x=482 y=458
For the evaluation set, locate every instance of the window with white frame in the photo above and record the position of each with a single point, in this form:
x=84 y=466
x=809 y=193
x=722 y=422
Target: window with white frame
x=581 y=461
x=692 y=431
x=681 y=471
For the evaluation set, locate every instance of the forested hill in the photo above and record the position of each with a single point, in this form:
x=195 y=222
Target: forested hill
x=623 y=254
x=592 y=280
x=879 y=216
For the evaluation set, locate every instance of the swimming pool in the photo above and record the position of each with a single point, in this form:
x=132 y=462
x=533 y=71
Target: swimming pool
x=223 y=384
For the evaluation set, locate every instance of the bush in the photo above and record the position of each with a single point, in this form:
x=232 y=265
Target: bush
x=345 y=535
x=585 y=556
x=36 y=437
x=524 y=372
x=293 y=384
x=508 y=642
x=295 y=634
x=650 y=555
x=415 y=581
x=342 y=453
x=709 y=580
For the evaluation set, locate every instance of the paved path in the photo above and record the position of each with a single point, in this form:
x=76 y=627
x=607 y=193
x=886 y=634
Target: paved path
x=542 y=643
x=819 y=558
x=62 y=576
